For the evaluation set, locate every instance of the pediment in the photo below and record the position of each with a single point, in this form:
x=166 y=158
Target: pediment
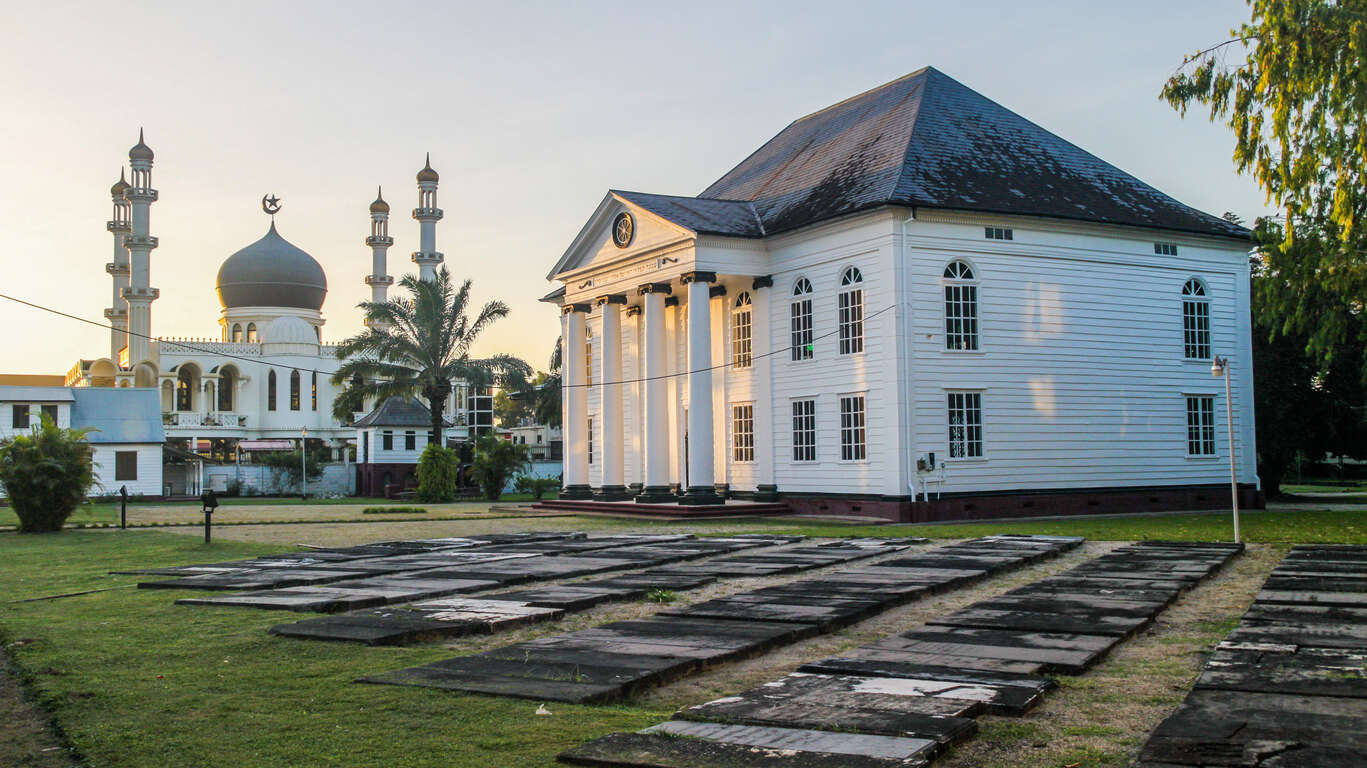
x=594 y=244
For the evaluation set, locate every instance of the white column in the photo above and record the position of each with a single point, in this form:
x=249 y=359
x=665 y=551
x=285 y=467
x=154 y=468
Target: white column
x=656 y=388
x=610 y=398
x=761 y=343
x=721 y=404
x=575 y=405
x=701 y=487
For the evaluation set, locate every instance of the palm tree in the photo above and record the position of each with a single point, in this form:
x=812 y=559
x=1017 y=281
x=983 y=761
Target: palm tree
x=419 y=345
x=547 y=395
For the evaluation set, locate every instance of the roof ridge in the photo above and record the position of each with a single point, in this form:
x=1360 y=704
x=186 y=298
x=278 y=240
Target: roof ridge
x=926 y=69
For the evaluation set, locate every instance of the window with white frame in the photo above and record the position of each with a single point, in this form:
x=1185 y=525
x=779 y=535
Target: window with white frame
x=1165 y=249
x=851 y=320
x=1195 y=321
x=1200 y=425
x=853 y=446
x=588 y=354
x=743 y=432
x=802 y=320
x=590 y=439
x=741 y=355
x=965 y=425
x=998 y=233
x=804 y=430
x=961 y=307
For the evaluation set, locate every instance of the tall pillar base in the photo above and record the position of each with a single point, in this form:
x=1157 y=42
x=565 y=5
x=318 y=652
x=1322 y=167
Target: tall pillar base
x=766 y=493
x=576 y=493
x=656 y=494
x=699 y=495
x=612 y=493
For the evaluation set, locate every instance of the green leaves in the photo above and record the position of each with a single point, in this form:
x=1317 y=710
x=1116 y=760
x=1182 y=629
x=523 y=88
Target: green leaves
x=419 y=345
x=1297 y=105
x=46 y=474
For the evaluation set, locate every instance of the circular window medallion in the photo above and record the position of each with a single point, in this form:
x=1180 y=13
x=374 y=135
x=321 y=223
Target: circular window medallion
x=623 y=229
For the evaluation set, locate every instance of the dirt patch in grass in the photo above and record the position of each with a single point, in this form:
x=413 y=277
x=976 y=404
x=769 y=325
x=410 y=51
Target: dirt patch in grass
x=26 y=736
x=1102 y=718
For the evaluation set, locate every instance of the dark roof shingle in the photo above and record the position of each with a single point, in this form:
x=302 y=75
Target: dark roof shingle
x=928 y=140
x=398 y=412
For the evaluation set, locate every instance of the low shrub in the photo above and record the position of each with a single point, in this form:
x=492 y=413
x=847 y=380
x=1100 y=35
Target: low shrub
x=394 y=511
x=438 y=474
x=46 y=473
x=536 y=486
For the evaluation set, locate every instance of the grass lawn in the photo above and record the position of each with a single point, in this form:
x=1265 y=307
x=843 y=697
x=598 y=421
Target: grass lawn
x=135 y=680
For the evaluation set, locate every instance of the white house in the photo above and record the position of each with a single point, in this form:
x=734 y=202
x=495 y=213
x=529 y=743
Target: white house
x=126 y=432
x=912 y=294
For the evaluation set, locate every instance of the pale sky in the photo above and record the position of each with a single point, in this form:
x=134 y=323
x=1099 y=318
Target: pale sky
x=531 y=112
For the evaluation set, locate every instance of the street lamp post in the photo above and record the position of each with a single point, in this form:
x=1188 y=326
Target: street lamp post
x=304 y=467
x=1219 y=366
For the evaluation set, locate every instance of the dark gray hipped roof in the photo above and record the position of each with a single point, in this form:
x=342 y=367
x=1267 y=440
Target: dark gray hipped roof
x=398 y=412
x=736 y=218
x=925 y=140
x=272 y=272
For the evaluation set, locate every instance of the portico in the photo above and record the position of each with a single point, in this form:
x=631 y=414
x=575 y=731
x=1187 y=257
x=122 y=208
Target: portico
x=647 y=370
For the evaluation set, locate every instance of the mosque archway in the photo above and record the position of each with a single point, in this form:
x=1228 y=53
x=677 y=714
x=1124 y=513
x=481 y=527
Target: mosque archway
x=145 y=375
x=102 y=373
x=227 y=387
x=187 y=386
x=168 y=396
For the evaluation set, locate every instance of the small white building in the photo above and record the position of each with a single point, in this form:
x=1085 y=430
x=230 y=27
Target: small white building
x=914 y=293
x=389 y=441
x=126 y=435
x=542 y=440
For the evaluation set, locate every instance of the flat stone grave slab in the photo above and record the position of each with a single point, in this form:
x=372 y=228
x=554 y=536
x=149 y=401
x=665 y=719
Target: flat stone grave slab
x=1263 y=613
x=1072 y=603
x=572 y=597
x=660 y=578
x=987 y=564
x=259 y=579
x=640 y=750
x=1058 y=652
x=1235 y=728
x=305 y=599
x=1032 y=683
x=434 y=621
x=1305 y=671
x=1104 y=585
x=1092 y=623
x=824 y=611
x=1342 y=599
x=883 y=706
x=1313 y=634
x=889 y=656
x=1337 y=583
x=801 y=740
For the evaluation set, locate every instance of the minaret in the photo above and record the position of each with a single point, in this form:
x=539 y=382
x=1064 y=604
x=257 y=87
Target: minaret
x=379 y=242
x=140 y=294
x=428 y=214
x=119 y=226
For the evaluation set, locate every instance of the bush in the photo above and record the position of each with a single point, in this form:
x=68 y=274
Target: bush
x=536 y=486
x=233 y=488
x=394 y=511
x=46 y=474
x=495 y=462
x=438 y=474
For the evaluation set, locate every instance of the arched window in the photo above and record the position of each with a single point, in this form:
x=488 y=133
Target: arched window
x=851 y=306
x=185 y=390
x=227 y=381
x=741 y=355
x=961 y=307
x=270 y=391
x=294 y=390
x=251 y=333
x=801 y=323
x=237 y=332
x=313 y=392
x=1195 y=320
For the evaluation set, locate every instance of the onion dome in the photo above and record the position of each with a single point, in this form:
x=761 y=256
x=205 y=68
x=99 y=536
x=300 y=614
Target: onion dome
x=116 y=191
x=272 y=272
x=427 y=174
x=140 y=151
x=379 y=206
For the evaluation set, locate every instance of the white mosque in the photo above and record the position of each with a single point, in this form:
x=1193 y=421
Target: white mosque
x=267 y=376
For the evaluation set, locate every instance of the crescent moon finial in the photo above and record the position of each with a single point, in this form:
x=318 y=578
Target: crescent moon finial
x=271 y=204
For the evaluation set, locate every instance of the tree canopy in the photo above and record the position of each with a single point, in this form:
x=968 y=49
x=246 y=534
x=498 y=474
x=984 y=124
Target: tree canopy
x=420 y=344
x=1297 y=104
